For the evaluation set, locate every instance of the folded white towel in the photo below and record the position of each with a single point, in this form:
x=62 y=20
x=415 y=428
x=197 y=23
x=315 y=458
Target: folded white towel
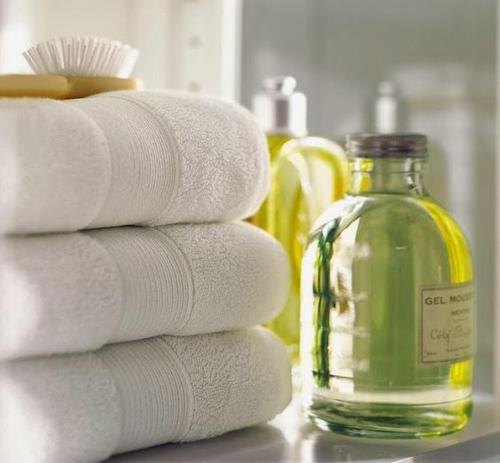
x=124 y=158
x=78 y=291
x=84 y=407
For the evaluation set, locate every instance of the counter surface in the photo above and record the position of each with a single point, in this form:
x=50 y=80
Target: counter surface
x=291 y=438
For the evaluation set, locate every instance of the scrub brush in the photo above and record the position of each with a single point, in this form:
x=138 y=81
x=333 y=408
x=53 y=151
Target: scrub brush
x=74 y=67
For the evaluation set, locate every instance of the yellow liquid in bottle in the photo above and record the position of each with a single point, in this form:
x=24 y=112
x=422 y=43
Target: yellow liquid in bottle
x=461 y=271
x=307 y=176
x=378 y=360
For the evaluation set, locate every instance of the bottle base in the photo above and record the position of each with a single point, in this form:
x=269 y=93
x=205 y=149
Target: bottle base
x=390 y=421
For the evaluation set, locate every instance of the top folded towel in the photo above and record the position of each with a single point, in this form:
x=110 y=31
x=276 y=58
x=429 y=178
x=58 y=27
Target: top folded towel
x=120 y=158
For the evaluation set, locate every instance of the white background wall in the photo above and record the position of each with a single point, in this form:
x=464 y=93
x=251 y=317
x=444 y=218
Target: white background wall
x=185 y=44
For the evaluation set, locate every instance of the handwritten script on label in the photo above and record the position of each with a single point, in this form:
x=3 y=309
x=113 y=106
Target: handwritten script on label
x=446 y=323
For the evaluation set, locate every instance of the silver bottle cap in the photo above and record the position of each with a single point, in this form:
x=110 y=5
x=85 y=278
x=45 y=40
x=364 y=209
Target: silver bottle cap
x=279 y=108
x=375 y=145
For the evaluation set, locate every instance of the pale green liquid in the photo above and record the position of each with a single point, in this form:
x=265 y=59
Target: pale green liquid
x=362 y=274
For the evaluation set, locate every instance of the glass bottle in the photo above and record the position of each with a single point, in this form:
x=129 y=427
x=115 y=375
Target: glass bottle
x=308 y=173
x=387 y=302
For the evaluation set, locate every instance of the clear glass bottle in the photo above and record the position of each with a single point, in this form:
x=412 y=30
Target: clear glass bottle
x=308 y=173
x=387 y=302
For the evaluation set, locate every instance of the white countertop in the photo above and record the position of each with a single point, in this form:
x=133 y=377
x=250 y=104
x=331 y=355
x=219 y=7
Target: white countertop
x=291 y=438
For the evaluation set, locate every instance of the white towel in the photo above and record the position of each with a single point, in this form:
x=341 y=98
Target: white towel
x=126 y=158
x=84 y=407
x=78 y=291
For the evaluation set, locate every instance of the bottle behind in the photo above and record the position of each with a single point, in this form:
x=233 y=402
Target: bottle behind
x=308 y=173
x=389 y=111
x=387 y=302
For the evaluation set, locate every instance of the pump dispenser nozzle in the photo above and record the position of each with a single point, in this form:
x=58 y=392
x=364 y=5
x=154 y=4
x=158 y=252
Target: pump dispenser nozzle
x=280 y=109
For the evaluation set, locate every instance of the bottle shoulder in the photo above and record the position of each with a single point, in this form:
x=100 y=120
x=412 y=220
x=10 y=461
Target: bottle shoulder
x=313 y=145
x=393 y=232
x=385 y=212
x=314 y=148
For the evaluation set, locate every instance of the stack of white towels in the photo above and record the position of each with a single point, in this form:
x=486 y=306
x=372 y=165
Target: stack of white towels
x=114 y=339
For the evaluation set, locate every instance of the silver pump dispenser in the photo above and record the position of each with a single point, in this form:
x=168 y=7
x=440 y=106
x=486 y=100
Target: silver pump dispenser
x=279 y=108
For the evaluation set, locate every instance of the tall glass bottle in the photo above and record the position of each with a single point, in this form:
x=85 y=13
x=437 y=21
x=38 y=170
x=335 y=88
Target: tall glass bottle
x=308 y=173
x=387 y=302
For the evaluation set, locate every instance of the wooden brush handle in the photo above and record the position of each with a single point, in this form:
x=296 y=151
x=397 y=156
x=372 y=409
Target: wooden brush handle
x=61 y=87
x=19 y=85
x=82 y=86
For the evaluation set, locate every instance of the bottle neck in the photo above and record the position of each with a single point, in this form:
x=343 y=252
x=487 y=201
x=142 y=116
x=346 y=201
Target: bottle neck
x=387 y=175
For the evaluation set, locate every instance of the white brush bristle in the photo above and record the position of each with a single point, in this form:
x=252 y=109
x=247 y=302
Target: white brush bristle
x=82 y=56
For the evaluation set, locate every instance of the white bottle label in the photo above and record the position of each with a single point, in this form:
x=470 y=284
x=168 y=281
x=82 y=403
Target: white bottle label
x=446 y=323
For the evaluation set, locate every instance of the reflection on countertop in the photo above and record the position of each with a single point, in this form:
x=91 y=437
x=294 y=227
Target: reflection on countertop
x=291 y=438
